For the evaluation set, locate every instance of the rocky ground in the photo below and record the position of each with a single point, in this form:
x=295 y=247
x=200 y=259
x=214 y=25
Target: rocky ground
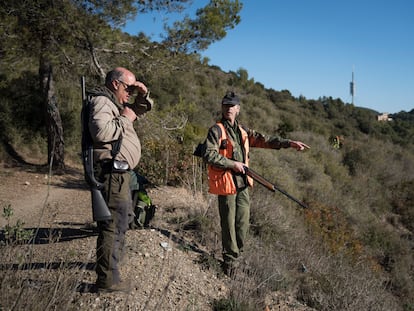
x=165 y=270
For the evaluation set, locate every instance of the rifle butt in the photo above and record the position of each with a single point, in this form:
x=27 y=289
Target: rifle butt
x=100 y=210
x=260 y=179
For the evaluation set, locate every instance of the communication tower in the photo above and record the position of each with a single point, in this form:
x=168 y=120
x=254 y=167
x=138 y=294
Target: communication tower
x=352 y=87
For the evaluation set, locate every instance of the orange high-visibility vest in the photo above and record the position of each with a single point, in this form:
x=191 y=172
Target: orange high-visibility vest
x=220 y=181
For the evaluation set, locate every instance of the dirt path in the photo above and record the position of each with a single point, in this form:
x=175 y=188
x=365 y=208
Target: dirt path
x=37 y=199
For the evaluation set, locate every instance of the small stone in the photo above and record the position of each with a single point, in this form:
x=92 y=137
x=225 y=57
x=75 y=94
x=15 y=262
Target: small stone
x=166 y=246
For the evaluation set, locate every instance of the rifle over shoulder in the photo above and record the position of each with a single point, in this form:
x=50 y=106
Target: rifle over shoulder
x=100 y=210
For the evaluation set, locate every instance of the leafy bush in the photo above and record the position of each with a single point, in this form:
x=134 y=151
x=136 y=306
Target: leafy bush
x=14 y=233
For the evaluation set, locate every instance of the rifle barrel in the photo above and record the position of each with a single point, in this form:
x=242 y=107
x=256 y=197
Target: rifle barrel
x=261 y=180
x=83 y=83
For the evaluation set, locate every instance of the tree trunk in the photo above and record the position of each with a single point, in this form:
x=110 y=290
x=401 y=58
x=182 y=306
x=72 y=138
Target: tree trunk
x=55 y=141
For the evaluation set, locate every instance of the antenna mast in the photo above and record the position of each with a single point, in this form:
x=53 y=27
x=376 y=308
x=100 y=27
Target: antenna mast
x=352 y=86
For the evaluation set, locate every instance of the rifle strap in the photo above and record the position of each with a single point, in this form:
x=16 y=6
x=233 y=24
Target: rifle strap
x=116 y=146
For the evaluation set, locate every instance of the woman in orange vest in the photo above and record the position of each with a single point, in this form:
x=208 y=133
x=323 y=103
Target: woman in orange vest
x=227 y=153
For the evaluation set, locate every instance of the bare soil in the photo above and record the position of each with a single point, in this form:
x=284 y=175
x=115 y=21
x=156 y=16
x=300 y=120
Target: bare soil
x=164 y=269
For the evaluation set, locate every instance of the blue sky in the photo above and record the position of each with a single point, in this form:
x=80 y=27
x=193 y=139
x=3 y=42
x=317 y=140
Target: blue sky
x=311 y=47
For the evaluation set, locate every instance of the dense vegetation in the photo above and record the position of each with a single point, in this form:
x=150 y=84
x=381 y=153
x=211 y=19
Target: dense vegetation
x=356 y=239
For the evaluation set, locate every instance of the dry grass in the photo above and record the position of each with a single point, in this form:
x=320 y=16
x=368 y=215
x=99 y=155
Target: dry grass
x=29 y=284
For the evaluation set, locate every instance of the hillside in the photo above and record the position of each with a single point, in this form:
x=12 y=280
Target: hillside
x=351 y=250
x=353 y=240
x=165 y=268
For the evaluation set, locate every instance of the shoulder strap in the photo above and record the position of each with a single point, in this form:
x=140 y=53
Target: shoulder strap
x=116 y=146
x=221 y=129
x=241 y=126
